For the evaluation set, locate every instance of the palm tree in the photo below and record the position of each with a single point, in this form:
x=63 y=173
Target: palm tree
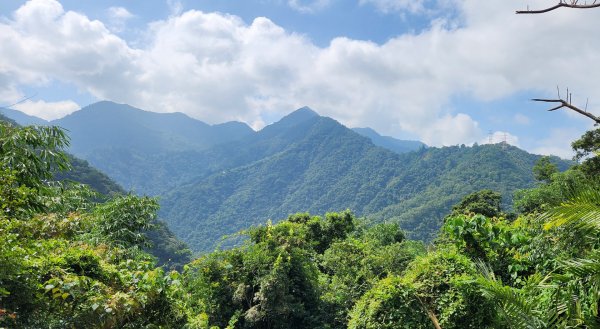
x=568 y=296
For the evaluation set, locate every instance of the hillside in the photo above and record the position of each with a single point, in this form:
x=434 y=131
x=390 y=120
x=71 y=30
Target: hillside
x=323 y=166
x=390 y=143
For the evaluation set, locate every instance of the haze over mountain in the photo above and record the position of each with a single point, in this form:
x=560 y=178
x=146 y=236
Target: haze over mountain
x=22 y=118
x=217 y=180
x=390 y=143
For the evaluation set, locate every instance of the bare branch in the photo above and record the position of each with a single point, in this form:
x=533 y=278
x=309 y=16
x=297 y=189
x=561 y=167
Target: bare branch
x=573 y=4
x=562 y=103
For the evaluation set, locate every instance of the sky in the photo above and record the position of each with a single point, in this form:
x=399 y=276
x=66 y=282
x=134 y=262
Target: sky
x=445 y=72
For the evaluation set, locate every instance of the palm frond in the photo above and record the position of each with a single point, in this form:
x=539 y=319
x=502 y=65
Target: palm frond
x=517 y=307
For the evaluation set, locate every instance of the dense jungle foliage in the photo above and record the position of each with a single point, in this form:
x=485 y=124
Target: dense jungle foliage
x=71 y=259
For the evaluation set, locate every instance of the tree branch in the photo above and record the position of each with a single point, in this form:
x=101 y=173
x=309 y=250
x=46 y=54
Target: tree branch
x=562 y=103
x=573 y=4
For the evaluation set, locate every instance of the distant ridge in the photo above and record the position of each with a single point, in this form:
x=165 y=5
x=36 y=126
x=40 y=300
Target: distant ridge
x=107 y=124
x=22 y=118
x=390 y=143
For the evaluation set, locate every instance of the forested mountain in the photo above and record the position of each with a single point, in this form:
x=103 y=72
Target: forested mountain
x=82 y=172
x=390 y=143
x=152 y=153
x=304 y=162
x=310 y=163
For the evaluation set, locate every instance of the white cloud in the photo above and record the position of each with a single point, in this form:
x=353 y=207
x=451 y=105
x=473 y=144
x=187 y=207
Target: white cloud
x=119 y=13
x=118 y=17
x=47 y=110
x=501 y=137
x=216 y=67
x=452 y=130
x=309 y=6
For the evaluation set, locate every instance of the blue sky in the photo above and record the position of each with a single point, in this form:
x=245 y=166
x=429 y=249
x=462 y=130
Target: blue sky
x=442 y=71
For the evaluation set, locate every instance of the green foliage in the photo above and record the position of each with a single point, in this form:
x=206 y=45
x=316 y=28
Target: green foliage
x=494 y=241
x=69 y=259
x=563 y=292
x=32 y=152
x=353 y=266
x=587 y=147
x=484 y=202
x=549 y=195
x=123 y=220
x=437 y=287
x=62 y=261
x=544 y=169
x=16 y=200
x=272 y=282
x=392 y=303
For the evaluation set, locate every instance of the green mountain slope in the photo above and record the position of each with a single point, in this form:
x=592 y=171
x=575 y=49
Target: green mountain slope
x=328 y=167
x=390 y=143
x=82 y=172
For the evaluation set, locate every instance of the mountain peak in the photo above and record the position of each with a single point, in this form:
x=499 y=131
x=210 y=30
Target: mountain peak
x=305 y=110
x=300 y=115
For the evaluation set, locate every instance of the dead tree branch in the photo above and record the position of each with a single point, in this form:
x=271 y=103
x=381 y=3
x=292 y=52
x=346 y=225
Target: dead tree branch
x=563 y=103
x=570 y=4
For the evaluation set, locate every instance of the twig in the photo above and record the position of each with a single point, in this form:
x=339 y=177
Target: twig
x=568 y=105
x=573 y=4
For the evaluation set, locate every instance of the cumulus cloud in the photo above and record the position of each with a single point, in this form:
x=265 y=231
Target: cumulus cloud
x=216 y=67
x=47 y=110
x=451 y=130
x=120 y=13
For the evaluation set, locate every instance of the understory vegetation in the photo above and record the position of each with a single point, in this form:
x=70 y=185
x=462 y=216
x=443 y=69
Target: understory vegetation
x=73 y=258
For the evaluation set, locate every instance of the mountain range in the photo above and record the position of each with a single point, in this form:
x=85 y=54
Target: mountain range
x=216 y=180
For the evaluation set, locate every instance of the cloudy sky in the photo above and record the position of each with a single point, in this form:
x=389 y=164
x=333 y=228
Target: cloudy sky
x=442 y=71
